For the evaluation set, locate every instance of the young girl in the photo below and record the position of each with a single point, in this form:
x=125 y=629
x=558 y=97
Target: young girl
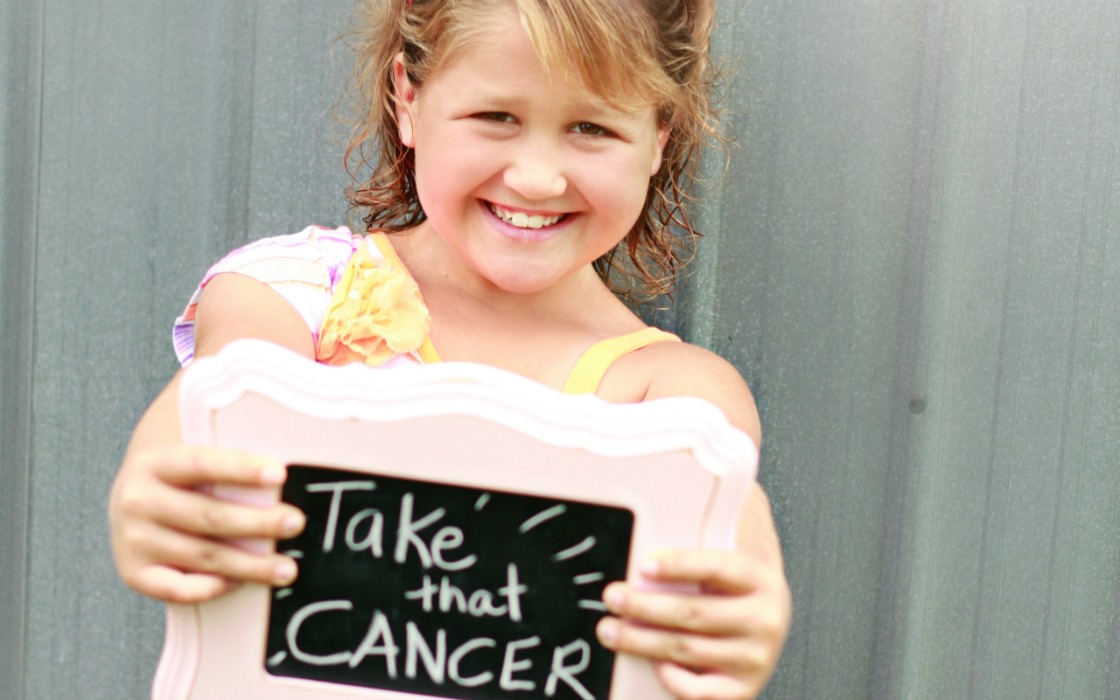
x=520 y=145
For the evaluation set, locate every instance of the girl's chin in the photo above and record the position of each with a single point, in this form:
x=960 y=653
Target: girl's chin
x=519 y=279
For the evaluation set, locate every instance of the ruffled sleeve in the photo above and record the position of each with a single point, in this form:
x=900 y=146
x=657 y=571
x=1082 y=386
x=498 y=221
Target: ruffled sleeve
x=376 y=314
x=303 y=267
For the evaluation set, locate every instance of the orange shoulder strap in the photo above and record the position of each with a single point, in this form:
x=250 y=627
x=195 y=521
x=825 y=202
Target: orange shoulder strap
x=594 y=363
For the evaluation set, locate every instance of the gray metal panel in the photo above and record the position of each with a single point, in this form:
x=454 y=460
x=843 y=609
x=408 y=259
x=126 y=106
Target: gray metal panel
x=809 y=282
x=916 y=270
x=1018 y=360
x=171 y=131
x=20 y=41
x=915 y=260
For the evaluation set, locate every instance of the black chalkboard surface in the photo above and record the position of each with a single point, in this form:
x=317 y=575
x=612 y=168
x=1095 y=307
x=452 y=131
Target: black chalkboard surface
x=445 y=590
x=462 y=523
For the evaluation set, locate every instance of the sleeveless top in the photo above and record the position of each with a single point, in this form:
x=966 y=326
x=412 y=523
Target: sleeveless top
x=362 y=305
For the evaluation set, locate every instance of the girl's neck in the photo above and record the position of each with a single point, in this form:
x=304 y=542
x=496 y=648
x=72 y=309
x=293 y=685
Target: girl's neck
x=442 y=276
x=539 y=335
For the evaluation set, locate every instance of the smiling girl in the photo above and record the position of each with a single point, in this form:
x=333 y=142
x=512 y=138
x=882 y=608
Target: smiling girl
x=526 y=159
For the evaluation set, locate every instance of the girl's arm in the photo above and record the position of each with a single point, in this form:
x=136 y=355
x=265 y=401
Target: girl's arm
x=724 y=643
x=168 y=535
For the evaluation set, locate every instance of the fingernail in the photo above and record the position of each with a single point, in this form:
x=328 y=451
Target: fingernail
x=292 y=524
x=614 y=599
x=274 y=475
x=607 y=631
x=284 y=573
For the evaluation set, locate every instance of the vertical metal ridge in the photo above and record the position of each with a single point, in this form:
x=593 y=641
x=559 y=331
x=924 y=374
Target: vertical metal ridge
x=1065 y=432
x=22 y=145
x=888 y=671
x=981 y=621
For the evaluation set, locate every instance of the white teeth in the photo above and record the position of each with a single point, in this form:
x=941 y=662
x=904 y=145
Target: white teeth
x=523 y=220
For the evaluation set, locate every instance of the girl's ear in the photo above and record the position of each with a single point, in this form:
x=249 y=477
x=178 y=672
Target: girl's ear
x=405 y=102
x=662 y=138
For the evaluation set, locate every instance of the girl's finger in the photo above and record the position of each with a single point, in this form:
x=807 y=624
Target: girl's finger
x=691 y=685
x=731 y=655
x=166 y=583
x=197 y=555
x=719 y=571
x=189 y=466
x=702 y=614
x=202 y=514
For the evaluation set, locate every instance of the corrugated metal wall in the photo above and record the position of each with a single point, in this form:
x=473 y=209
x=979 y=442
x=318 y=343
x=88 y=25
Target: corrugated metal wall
x=915 y=260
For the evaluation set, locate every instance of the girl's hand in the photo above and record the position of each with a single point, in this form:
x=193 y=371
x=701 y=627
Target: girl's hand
x=171 y=538
x=720 y=644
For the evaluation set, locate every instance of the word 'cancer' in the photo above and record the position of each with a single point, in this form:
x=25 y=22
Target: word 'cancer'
x=442 y=664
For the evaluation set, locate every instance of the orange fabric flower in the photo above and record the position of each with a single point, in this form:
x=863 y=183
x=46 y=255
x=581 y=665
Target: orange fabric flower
x=376 y=314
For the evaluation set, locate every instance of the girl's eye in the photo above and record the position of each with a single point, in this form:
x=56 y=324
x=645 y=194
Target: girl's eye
x=590 y=129
x=500 y=117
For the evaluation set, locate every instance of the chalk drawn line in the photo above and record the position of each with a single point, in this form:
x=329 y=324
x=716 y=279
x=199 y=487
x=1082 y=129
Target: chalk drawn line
x=575 y=550
x=543 y=516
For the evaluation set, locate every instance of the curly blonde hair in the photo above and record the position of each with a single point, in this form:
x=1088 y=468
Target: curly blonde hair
x=629 y=52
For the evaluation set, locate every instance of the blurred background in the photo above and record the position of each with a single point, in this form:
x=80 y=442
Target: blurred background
x=913 y=258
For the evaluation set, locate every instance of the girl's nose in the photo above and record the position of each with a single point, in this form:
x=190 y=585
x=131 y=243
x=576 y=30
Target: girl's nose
x=536 y=174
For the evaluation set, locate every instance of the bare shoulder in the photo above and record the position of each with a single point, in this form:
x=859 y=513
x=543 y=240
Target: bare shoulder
x=234 y=306
x=683 y=369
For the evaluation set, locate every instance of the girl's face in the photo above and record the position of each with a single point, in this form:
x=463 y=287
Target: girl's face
x=527 y=177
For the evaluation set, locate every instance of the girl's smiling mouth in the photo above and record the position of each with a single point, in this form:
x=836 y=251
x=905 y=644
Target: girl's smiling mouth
x=524 y=220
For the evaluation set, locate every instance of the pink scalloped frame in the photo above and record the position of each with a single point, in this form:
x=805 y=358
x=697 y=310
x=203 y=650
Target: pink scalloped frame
x=258 y=397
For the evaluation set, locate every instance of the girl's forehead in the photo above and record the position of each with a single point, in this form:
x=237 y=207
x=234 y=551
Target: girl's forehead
x=500 y=28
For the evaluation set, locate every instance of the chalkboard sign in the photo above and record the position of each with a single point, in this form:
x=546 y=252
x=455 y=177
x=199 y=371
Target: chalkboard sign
x=449 y=590
x=462 y=523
